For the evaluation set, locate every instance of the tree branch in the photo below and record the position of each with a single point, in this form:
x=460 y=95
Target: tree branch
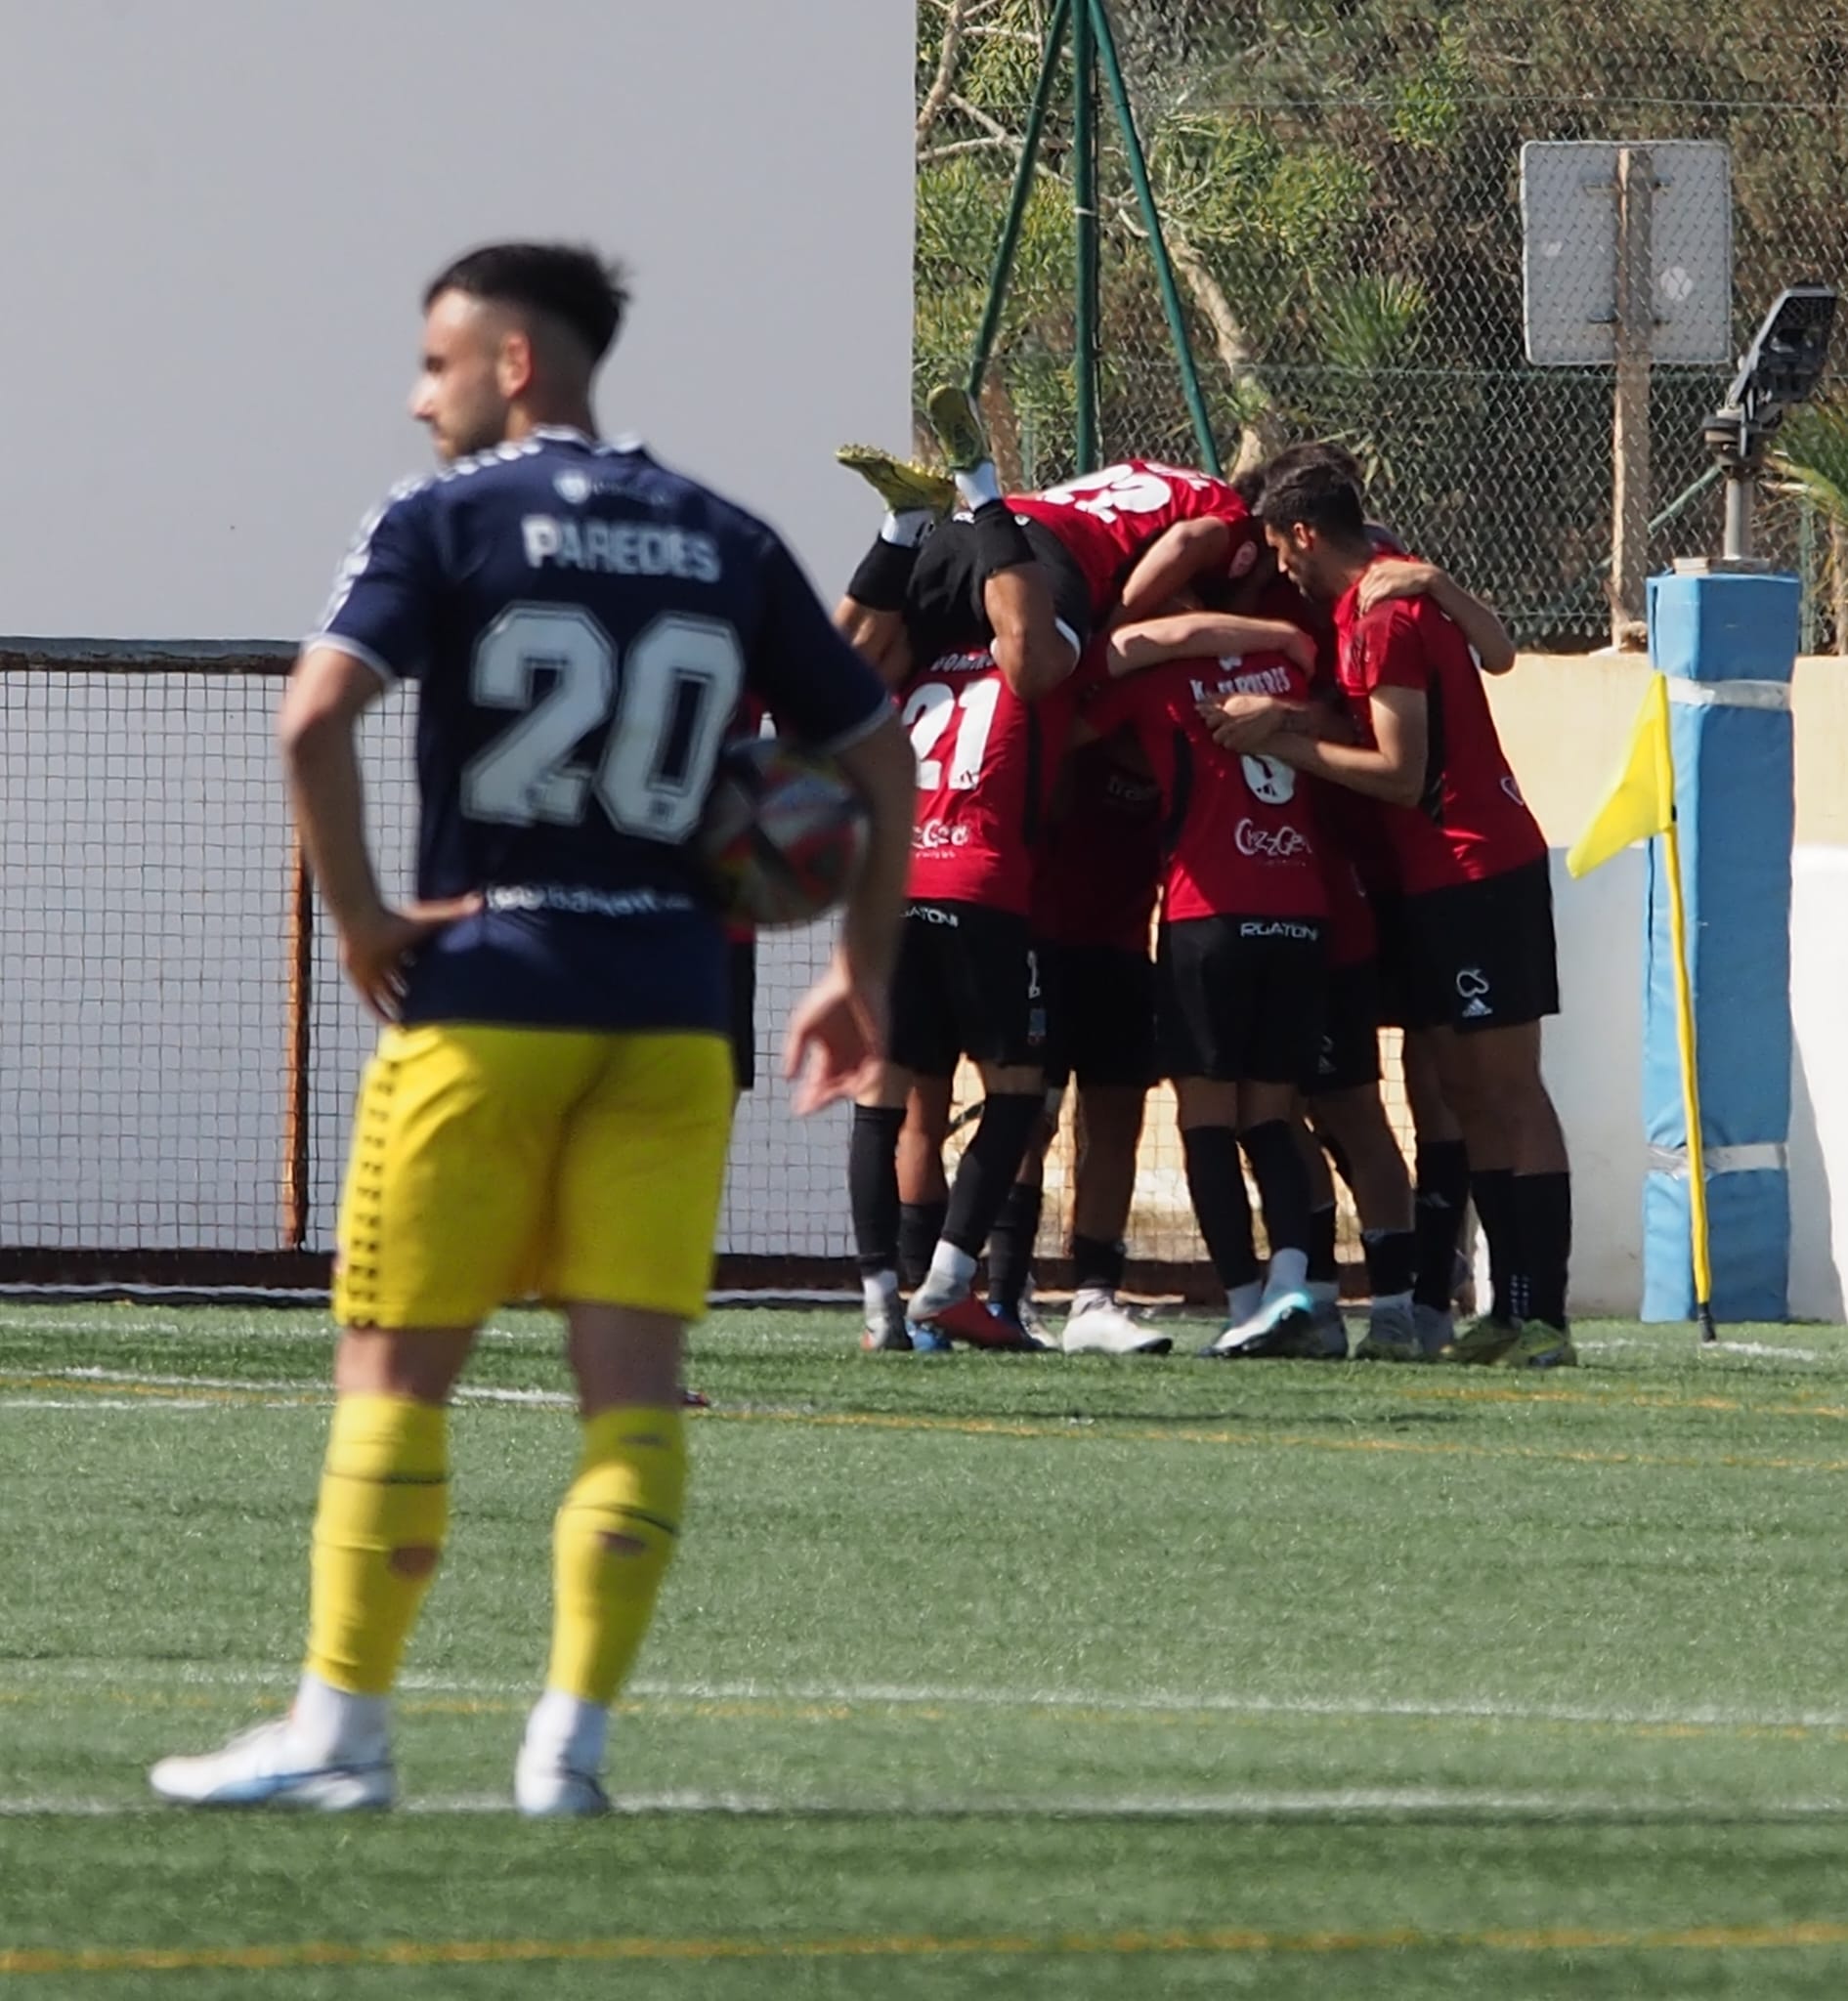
x=955 y=21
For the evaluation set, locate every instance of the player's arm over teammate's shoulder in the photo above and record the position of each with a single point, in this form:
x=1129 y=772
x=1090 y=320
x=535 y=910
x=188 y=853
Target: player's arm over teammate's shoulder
x=1394 y=682
x=1407 y=576
x=1201 y=634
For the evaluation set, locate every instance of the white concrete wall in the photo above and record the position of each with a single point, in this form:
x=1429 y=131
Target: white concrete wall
x=1594 y=1067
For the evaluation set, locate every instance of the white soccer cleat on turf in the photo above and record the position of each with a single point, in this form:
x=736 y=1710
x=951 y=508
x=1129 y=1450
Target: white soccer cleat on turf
x=261 y=1768
x=545 y=1789
x=1283 y=1326
x=1097 y=1326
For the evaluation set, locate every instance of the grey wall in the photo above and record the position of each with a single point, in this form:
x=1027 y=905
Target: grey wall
x=218 y=216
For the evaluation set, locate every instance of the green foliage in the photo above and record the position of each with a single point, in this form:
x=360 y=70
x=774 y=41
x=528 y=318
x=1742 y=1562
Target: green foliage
x=1338 y=178
x=1814 y=453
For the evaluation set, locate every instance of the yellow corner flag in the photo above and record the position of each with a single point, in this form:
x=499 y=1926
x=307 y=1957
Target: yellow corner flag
x=1642 y=802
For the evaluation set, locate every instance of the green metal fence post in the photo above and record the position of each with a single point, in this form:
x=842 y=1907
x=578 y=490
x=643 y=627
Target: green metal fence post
x=1157 y=243
x=1085 y=215
x=1018 y=201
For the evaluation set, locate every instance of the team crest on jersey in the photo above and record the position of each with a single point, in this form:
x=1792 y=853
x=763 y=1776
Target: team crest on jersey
x=1272 y=782
x=572 y=488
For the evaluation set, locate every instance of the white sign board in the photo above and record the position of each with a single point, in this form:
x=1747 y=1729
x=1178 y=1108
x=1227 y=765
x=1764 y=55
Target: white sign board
x=1568 y=214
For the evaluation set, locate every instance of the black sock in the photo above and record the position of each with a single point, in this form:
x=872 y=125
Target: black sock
x=872 y=1185
x=1001 y=543
x=1543 y=1208
x=990 y=1162
x=1444 y=1191
x=1010 y=1246
x=1216 y=1180
x=1097 y=1265
x=880 y=581
x=1392 y=1259
x=1322 y=1270
x=1337 y=1156
x=1282 y=1179
x=920 y=1225
x=1493 y=1189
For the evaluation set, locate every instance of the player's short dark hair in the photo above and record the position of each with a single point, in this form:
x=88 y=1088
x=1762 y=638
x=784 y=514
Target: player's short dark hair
x=1318 y=495
x=1319 y=451
x=1249 y=486
x=565 y=282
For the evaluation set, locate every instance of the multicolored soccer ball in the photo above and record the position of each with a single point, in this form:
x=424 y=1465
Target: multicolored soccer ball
x=783 y=834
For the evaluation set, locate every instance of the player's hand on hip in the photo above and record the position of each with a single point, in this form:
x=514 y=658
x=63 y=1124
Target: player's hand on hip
x=835 y=1043
x=1244 y=722
x=1394 y=576
x=374 y=951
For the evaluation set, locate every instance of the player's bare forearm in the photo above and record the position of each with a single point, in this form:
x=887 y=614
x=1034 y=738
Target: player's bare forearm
x=1396 y=779
x=1169 y=562
x=1199 y=635
x=316 y=734
x=1488 y=638
x=883 y=768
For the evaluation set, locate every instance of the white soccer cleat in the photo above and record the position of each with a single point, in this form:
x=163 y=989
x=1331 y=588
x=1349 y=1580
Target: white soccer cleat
x=1097 y=1326
x=261 y=1768
x=546 y=1789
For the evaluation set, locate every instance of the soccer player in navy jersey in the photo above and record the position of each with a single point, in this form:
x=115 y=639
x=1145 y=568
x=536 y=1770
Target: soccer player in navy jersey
x=550 y=1101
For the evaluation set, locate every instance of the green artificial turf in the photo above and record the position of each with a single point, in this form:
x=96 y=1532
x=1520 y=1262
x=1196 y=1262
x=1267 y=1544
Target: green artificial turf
x=977 y=1675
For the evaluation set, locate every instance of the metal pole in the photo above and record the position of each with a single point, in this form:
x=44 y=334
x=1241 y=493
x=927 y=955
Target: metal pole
x=1018 y=201
x=1738 y=545
x=1085 y=217
x=1157 y=243
x=1629 y=443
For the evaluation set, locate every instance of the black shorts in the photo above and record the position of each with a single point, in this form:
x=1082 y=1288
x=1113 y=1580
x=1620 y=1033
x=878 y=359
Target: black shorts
x=743 y=957
x=1099 y=1015
x=966 y=984
x=1480 y=955
x=1241 y=999
x=944 y=612
x=1349 y=1056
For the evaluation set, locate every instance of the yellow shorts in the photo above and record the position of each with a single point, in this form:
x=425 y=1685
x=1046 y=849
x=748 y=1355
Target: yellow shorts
x=493 y=1163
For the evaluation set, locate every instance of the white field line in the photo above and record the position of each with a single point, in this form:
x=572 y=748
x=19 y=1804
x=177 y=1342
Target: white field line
x=903 y=1695
x=274 y=1386
x=1331 y=1803
x=1754 y=1349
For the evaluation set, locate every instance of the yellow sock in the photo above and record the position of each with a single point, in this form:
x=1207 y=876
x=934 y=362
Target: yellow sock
x=378 y=1531
x=612 y=1544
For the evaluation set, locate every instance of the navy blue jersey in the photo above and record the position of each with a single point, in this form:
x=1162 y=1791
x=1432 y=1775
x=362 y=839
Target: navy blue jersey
x=582 y=625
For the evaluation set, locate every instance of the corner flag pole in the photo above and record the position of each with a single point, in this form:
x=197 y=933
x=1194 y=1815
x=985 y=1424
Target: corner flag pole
x=1689 y=1086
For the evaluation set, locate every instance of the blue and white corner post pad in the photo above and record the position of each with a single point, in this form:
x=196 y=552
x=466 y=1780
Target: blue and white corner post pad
x=1725 y=641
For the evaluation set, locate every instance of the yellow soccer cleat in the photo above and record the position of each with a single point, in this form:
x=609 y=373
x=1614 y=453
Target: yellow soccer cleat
x=1540 y=1346
x=959 y=428
x=902 y=484
x=1483 y=1343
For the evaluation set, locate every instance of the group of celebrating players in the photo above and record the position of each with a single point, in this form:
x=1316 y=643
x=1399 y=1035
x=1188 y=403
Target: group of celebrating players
x=1250 y=708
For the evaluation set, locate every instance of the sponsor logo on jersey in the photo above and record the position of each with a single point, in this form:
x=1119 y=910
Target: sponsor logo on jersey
x=979 y=663
x=930 y=836
x=577 y=902
x=1279 y=927
x=1472 y=986
x=1270 y=843
x=574 y=488
x=934 y=914
x=619 y=548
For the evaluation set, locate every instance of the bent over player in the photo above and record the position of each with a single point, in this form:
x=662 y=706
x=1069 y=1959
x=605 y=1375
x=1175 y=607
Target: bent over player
x=550 y=1099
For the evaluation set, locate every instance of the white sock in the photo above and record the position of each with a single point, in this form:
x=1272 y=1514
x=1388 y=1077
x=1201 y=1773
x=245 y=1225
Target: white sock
x=569 y=1728
x=880 y=1287
x=1324 y=1292
x=906 y=528
x=337 y=1727
x=979 y=486
x=951 y=1269
x=1091 y=1299
x=1242 y=1301
x=1288 y=1271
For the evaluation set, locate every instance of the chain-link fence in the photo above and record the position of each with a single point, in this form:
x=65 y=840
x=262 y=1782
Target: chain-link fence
x=1339 y=188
